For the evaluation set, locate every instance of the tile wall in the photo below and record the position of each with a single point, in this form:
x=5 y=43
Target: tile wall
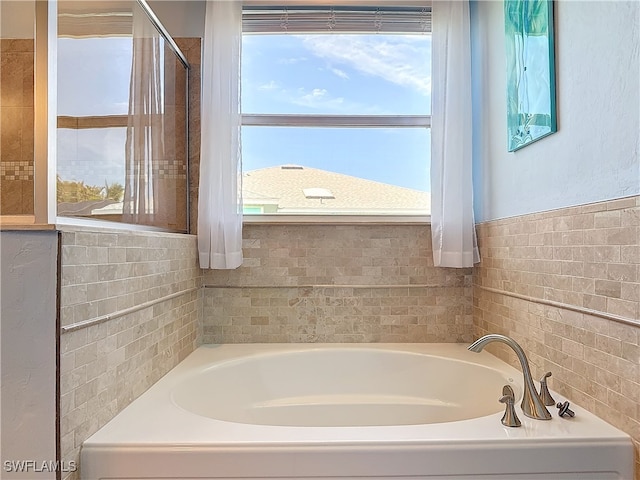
x=334 y=283
x=192 y=49
x=566 y=285
x=129 y=313
x=17 y=120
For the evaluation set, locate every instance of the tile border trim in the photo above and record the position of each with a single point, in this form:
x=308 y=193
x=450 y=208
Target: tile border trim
x=565 y=306
x=336 y=285
x=121 y=313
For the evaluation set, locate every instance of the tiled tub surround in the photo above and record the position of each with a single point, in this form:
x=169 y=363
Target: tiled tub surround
x=337 y=283
x=566 y=284
x=130 y=306
x=16 y=134
x=111 y=271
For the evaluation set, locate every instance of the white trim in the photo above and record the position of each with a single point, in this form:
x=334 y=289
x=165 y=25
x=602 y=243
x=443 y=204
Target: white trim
x=337 y=219
x=45 y=98
x=341 y=121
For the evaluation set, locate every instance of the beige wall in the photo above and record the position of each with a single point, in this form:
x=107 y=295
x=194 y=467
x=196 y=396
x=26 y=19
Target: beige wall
x=332 y=283
x=566 y=285
x=129 y=310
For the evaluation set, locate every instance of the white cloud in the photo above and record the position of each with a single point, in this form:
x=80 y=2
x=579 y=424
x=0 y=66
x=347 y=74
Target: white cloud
x=272 y=85
x=318 y=99
x=339 y=73
x=321 y=100
x=291 y=61
x=398 y=60
x=319 y=92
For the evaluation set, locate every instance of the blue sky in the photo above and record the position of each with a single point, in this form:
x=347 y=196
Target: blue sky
x=93 y=79
x=311 y=74
x=339 y=74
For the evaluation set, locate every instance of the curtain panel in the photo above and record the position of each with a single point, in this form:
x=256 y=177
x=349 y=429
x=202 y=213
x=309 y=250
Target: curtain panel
x=220 y=189
x=452 y=223
x=145 y=194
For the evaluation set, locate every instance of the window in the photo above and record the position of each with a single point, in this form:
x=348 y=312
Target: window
x=336 y=107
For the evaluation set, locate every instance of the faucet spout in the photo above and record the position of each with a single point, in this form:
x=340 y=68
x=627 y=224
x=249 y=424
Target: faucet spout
x=531 y=404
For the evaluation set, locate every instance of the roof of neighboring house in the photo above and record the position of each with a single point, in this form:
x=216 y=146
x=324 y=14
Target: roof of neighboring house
x=84 y=208
x=298 y=189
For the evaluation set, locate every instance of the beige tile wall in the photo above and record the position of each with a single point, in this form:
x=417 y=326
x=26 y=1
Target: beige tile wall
x=109 y=271
x=119 y=280
x=333 y=283
x=566 y=285
x=17 y=120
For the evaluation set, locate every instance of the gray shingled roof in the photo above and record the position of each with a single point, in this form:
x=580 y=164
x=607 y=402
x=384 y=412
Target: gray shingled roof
x=285 y=185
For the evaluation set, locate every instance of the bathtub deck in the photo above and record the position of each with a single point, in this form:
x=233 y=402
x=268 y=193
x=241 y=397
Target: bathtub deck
x=153 y=438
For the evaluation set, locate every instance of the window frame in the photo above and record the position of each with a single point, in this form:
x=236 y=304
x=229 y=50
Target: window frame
x=336 y=121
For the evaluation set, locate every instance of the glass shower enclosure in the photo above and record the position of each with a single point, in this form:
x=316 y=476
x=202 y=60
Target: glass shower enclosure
x=101 y=94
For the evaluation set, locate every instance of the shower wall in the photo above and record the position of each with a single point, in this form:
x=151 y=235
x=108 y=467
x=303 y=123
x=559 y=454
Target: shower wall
x=16 y=121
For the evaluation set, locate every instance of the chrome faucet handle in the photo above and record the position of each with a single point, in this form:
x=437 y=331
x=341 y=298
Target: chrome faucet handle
x=545 y=396
x=531 y=404
x=564 y=410
x=509 y=419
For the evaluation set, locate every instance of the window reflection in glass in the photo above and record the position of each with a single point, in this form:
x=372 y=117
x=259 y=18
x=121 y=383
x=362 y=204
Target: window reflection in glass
x=121 y=118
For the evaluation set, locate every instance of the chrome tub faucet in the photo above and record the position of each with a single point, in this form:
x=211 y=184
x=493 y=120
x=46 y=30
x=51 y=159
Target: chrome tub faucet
x=531 y=404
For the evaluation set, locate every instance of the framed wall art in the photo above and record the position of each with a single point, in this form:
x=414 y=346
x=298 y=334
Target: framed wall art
x=531 y=86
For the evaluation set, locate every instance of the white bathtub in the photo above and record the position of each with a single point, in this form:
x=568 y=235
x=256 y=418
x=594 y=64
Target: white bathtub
x=409 y=411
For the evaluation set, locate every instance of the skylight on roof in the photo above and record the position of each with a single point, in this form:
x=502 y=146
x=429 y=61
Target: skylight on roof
x=321 y=193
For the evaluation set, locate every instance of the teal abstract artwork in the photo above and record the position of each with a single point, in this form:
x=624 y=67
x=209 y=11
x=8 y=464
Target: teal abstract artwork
x=531 y=92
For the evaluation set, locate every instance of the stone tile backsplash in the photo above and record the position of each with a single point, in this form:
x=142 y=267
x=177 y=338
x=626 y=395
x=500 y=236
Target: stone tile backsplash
x=566 y=285
x=140 y=293
x=106 y=272
x=337 y=283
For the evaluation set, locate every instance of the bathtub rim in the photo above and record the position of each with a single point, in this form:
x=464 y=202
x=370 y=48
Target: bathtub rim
x=138 y=413
x=239 y=443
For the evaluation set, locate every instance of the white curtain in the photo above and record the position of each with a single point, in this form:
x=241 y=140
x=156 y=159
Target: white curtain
x=452 y=222
x=144 y=190
x=220 y=191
